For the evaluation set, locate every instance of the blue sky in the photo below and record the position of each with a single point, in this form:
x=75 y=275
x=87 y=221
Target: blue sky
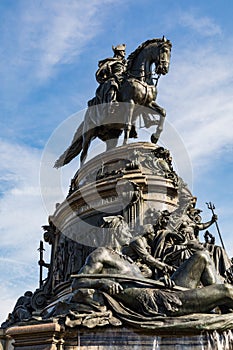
x=48 y=57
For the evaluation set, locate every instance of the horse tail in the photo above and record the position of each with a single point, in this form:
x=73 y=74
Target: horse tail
x=73 y=150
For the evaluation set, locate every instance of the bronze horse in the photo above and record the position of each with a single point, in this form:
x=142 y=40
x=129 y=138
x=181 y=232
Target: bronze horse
x=136 y=95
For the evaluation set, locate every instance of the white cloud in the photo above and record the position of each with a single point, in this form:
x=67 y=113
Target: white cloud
x=21 y=206
x=203 y=25
x=198 y=97
x=22 y=215
x=56 y=32
x=42 y=38
x=18 y=277
x=48 y=34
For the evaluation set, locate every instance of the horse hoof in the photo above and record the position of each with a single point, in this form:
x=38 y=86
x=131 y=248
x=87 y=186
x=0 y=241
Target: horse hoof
x=154 y=139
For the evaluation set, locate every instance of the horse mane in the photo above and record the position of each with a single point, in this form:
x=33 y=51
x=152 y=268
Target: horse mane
x=133 y=54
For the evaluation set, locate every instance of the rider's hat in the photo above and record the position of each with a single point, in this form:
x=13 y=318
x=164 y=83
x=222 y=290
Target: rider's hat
x=120 y=47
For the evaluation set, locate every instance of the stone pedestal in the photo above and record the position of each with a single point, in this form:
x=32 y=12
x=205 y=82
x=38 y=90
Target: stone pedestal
x=47 y=336
x=5 y=341
x=53 y=337
x=2 y=339
x=128 y=181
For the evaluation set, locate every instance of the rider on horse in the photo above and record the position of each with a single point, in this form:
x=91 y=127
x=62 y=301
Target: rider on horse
x=129 y=83
x=110 y=75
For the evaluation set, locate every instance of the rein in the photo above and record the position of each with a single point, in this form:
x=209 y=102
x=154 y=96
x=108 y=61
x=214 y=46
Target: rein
x=144 y=76
x=157 y=79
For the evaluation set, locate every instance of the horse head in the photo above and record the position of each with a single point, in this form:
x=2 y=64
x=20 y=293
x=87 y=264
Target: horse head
x=153 y=51
x=163 y=62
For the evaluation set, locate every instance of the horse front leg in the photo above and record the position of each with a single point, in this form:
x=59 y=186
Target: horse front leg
x=128 y=122
x=162 y=114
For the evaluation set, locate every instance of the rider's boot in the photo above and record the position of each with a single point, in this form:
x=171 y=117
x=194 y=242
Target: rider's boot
x=111 y=98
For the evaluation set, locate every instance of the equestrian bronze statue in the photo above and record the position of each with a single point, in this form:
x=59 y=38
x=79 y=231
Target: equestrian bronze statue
x=126 y=92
